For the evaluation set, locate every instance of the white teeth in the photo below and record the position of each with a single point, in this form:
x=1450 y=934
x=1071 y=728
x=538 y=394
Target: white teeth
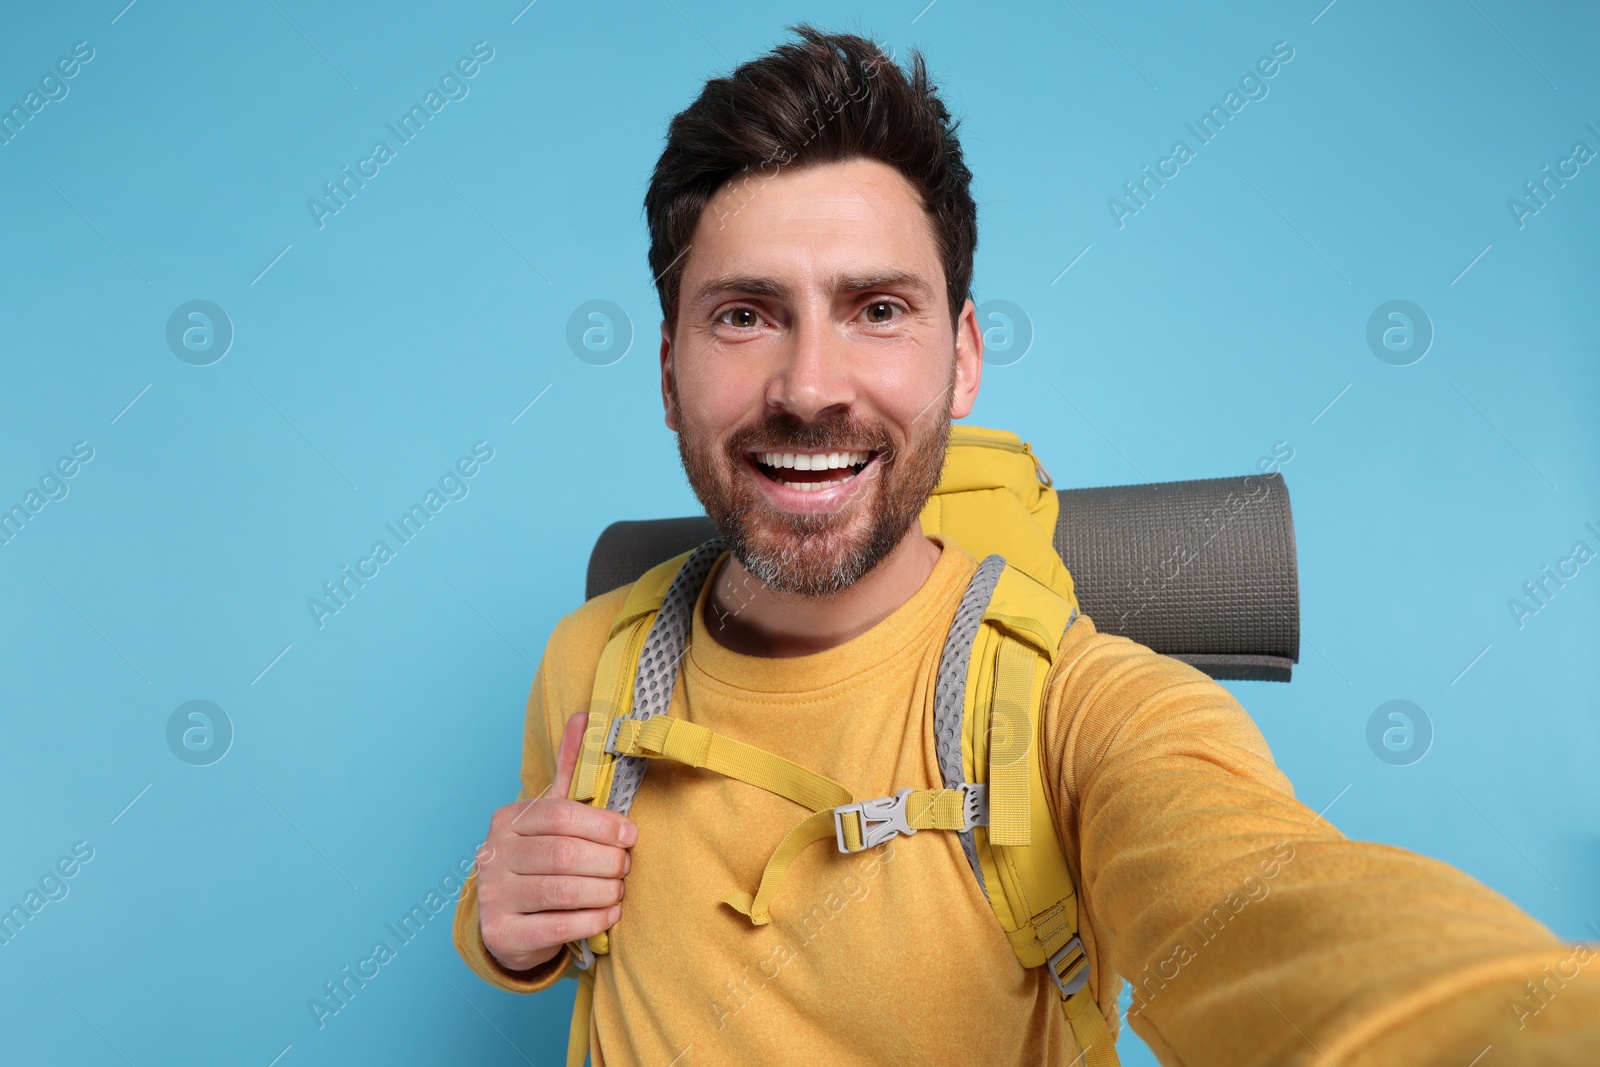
x=813 y=461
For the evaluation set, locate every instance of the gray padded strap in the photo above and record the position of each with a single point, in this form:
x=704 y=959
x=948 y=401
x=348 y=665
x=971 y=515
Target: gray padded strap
x=950 y=692
x=663 y=649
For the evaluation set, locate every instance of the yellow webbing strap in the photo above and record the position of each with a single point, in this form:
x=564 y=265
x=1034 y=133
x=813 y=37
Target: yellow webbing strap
x=814 y=827
x=591 y=780
x=594 y=736
x=926 y=809
x=666 y=737
x=1029 y=882
x=1089 y=1027
x=582 y=1009
x=612 y=695
x=1011 y=744
x=1056 y=928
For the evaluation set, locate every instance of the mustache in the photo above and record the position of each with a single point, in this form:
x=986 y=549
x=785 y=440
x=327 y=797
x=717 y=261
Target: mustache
x=784 y=431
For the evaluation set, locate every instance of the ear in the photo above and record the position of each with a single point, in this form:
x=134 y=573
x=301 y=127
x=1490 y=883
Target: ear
x=666 y=378
x=969 y=362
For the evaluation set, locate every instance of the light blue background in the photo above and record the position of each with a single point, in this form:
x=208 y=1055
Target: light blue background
x=428 y=313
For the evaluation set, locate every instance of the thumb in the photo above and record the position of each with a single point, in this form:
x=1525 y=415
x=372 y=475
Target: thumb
x=567 y=756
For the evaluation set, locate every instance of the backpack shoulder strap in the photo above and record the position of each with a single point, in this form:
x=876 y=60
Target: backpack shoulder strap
x=988 y=699
x=638 y=669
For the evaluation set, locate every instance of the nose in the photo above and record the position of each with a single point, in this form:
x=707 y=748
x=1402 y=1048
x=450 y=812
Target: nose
x=816 y=372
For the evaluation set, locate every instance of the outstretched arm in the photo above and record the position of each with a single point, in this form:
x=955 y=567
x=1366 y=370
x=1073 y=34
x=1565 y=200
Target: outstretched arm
x=1252 y=931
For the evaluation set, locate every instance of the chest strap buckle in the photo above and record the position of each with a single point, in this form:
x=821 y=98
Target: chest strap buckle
x=882 y=818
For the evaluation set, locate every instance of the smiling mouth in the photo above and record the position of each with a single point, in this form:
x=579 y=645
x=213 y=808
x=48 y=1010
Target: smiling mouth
x=811 y=472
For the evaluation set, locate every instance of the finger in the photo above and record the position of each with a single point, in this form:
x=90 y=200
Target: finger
x=567 y=755
x=532 y=894
x=564 y=855
x=567 y=818
x=568 y=892
x=515 y=936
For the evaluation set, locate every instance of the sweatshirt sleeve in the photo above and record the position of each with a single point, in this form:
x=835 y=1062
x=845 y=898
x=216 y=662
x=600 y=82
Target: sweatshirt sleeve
x=538 y=770
x=1251 y=930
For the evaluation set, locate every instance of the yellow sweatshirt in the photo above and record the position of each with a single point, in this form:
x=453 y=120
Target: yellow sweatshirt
x=1253 y=931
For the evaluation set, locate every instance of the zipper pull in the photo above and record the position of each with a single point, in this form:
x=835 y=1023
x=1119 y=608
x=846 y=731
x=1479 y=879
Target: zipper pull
x=1044 y=475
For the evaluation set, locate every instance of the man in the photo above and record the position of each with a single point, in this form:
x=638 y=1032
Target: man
x=812 y=233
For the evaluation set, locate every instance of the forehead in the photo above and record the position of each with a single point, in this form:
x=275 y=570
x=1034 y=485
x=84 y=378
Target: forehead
x=810 y=223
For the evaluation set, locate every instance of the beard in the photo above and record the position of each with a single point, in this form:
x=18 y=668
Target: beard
x=815 y=554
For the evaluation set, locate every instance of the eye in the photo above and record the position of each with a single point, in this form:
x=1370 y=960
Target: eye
x=880 y=312
x=743 y=318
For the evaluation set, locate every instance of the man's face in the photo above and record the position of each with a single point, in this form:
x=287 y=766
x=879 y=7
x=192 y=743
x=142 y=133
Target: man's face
x=813 y=370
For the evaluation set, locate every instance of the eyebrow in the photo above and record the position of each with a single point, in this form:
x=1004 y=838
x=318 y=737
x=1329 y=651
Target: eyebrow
x=762 y=285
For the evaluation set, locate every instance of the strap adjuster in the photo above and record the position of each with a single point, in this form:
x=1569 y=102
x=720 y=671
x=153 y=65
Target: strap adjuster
x=883 y=817
x=974 y=805
x=880 y=819
x=585 y=955
x=611 y=734
x=1080 y=976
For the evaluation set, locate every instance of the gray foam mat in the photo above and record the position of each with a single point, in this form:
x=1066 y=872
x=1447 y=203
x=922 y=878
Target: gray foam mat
x=1203 y=571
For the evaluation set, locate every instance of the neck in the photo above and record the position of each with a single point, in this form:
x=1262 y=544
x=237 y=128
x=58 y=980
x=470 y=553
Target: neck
x=746 y=616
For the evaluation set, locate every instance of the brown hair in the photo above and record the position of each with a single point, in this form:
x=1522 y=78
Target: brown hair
x=828 y=97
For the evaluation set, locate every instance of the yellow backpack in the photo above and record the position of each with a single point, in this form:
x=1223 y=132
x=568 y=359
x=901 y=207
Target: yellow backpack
x=995 y=500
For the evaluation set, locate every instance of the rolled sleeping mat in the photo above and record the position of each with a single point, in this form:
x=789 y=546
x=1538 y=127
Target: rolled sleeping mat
x=1203 y=571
